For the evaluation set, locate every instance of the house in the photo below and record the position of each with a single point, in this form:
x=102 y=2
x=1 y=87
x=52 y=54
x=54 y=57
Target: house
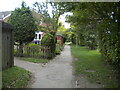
x=38 y=37
x=4 y=16
x=39 y=34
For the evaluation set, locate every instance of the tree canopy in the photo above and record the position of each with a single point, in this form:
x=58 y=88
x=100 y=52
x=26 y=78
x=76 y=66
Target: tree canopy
x=24 y=24
x=51 y=15
x=96 y=25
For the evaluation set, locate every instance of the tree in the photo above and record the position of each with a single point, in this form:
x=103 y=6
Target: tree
x=94 y=21
x=24 y=25
x=50 y=19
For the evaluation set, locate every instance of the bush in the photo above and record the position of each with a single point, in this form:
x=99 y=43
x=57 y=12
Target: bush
x=61 y=48
x=59 y=42
x=32 y=44
x=49 y=41
x=57 y=51
x=33 y=50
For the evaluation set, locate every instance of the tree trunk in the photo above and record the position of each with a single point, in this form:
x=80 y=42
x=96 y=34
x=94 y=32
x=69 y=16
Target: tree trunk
x=21 y=50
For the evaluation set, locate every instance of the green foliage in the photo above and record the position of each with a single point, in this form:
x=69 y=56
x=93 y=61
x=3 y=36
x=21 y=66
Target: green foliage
x=24 y=24
x=61 y=30
x=91 y=60
x=30 y=50
x=15 y=77
x=33 y=50
x=84 y=28
x=57 y=51
x=59 y=48
x=59 y=42
x=109 y=42
x=51 y=19
x=47 y=40
x=32 y=44
x=97 y=27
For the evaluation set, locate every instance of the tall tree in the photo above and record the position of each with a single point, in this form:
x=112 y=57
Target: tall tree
x=24 y=24
x=51 y=12
x=99 y=20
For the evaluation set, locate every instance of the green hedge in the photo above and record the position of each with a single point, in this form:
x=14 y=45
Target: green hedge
x=109 y=42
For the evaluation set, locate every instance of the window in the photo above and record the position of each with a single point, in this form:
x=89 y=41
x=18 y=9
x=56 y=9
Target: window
x=35 y=36
x=39 y=36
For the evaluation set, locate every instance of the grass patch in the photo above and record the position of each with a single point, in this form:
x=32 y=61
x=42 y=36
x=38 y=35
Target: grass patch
x=15 y=77
x=35 y=60
x=91 y=60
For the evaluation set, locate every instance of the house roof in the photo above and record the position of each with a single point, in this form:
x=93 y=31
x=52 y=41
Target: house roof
x=4 y=14
x=43 y=24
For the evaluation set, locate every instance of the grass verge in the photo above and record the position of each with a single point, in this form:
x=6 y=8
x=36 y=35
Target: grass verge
x=35 y=60
x=90 y=64
x=15 y=77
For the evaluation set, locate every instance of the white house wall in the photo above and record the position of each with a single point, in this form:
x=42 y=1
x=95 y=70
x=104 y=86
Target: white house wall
x=38 y=33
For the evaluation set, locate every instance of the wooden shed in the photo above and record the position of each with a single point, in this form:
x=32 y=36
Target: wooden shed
x=7 y=46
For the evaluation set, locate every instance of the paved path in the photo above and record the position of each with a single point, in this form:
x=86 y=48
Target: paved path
x=56 y=74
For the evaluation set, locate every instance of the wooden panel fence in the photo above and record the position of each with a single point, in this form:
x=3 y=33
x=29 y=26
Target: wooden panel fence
x=7 y=46
x=34 y=51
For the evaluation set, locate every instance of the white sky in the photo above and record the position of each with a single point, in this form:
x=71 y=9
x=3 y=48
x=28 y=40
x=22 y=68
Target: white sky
x=10 y=5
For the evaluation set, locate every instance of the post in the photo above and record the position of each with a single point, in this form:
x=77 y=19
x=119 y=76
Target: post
x=76 y=40
x=7 y=46
x=0 y=54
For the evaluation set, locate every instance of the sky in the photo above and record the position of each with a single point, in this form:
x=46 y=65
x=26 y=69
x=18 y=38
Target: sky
x=10 y=5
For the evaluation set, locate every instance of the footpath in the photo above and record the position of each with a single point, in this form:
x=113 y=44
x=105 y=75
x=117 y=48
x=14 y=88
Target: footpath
x=55 y=74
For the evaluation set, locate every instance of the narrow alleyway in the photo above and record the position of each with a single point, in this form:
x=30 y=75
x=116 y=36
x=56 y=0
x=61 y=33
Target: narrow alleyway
x=56 y=74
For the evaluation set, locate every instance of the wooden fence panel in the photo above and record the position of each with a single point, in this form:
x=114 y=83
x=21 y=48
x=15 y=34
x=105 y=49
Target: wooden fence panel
x=7 y=46
x=35 y=51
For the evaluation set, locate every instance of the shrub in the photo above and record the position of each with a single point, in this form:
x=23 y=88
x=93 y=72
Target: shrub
x=59 y=42
x=49 y=41
x=33 y=50
x=32 y=44
x=57 y=51
x=61 y=48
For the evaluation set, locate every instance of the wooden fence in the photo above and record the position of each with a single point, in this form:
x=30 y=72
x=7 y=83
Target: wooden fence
x=34 y=51
x=7 y=46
